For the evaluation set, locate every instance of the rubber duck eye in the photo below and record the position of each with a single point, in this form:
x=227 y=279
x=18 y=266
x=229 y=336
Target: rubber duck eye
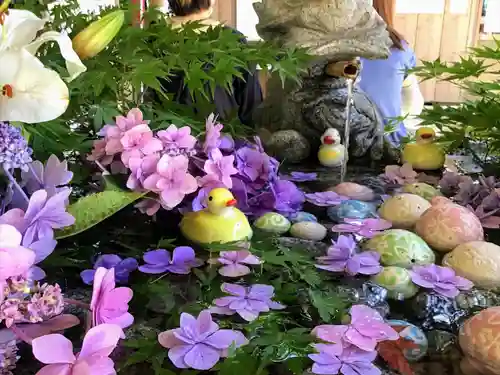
x=210 y=198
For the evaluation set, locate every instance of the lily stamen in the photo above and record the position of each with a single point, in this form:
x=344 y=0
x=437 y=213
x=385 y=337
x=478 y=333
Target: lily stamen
x=7 y=91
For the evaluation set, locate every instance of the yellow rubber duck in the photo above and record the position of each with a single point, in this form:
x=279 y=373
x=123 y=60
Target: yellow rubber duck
x=424 y=154
x=331 y=152
x=220 y=222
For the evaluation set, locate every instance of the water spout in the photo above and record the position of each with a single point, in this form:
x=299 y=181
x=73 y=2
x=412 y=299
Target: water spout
x=347 y=128
x=345 y=69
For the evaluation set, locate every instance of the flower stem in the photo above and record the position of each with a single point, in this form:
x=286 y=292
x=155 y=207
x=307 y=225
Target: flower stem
x=15 y=184
x=75 y=302
x=20 y=334
x=35 y=175
x=104 y=171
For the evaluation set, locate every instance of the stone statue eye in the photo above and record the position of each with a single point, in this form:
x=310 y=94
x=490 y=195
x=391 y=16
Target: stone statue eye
x=210 y=198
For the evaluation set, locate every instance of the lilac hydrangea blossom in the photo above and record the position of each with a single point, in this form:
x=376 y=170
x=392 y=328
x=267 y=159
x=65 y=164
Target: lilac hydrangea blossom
x=342 y=257
x=331 y=360
x=363 y=227
x=52 y=177
x=366 y=329
x=249 y=162
x=177 y=140
x=234 y=263
x=325 y=198
x=247 y=302
x=442 y=280
x=180 y=262
x=123 y=268
x=199 y=343
x=301 y=176
x=212 y=133
x=219 y=167
x=14 y=150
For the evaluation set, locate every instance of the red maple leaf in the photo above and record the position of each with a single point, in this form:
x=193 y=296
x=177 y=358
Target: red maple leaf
x=393 y=352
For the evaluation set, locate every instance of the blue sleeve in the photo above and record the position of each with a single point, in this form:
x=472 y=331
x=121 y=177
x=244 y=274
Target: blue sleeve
x=412 y=59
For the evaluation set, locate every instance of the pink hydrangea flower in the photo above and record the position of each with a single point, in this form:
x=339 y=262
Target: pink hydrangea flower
x=219 y=167
x=110 y=304
x=141 y=168
x=138 y=142
x=367 y=328
x=234 y=262
x=114 y=133
x=363 y=227
x=56 y=351
x=148 y=206
x=174 y=138
x=199 y=343
x=172 y=180
x=400 y=174
x=15 y=260
x=212 y=133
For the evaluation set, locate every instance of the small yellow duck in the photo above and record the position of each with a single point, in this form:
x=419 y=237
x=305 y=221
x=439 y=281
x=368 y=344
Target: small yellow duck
x=220 y=222
x=331 y=152
x=424 y=154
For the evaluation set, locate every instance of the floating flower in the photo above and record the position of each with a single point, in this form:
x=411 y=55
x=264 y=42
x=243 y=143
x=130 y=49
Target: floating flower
x=56 y=351
x=52 y=177
x=199 y=343
x=247 y=302
x=400 y=175
x=349 y=361
x=442 y=280
x=342 y=257
x=212 y=133
x=249 y=162
x=29 y=92
x=110 y=304
x=219 y=167
x=14 y=150
x=172 y=180
x=301 y=176
x=175 y=139
x=122 y=267
x=325 y=198
x=15 y=260
x=367 y=328
x=363 y=227
x=234 y=262
x=160 y=261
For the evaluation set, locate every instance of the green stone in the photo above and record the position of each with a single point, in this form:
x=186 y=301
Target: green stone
x=401 y=248
x=397 y=281
x=273 y=222
x=425 y=191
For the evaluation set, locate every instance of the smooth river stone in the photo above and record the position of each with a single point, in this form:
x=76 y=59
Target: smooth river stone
x=397 y=281
x=308 y=230
x=354 y=191
x=425 y=191
x=477 y=261
x=445 y=226
x=273 y=222
x=479 y=339
x=414 y=334
x=402 y=248
x=352 y=209
x=303 y=216
x=403 y=210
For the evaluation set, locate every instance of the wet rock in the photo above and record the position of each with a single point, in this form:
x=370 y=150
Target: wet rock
x=308 y=230
x=288 y=145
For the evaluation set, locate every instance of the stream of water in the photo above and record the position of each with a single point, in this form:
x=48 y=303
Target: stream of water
x=347 y=128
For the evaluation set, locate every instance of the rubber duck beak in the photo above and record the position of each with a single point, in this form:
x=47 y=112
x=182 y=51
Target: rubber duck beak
x=327 y=140
x=426 y=136
x=231 y=203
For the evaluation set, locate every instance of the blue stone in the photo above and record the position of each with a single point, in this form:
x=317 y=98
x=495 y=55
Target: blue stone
x=352 y=209
x=414 y=334
x=303 y=216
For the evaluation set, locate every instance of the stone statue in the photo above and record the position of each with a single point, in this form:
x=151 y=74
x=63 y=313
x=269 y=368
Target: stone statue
x=292 y=118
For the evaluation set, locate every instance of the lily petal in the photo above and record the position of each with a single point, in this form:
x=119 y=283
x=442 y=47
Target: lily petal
x=19 y=29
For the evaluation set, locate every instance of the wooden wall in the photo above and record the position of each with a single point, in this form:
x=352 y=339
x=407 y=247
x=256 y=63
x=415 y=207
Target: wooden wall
x=446 y=36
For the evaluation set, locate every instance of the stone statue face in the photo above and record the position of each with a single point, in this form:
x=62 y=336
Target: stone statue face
x=337 y=29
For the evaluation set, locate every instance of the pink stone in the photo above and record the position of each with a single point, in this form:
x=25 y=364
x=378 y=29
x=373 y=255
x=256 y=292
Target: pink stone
x=440 y=200
x=479 y=339
x=354 y=191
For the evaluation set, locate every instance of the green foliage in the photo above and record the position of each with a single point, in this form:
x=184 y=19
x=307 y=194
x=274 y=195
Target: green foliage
x=477 y=119
x=118 y=78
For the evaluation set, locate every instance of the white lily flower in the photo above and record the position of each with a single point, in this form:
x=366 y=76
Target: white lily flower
x=30 y=92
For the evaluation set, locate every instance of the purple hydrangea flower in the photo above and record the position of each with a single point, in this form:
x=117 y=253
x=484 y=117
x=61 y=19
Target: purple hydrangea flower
x=122 y=267
x=52 y=177
x=247 y=302
x=301 y=176
x=14 y=150
x=234 y=262
x=363 y=227
x=342 y=257
x=288 y=198
x=199 y=343
x=331 y=360
x=160 y=261
x=325 y=198
x=442 y=280
x=366 y=329
x=249 y=162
